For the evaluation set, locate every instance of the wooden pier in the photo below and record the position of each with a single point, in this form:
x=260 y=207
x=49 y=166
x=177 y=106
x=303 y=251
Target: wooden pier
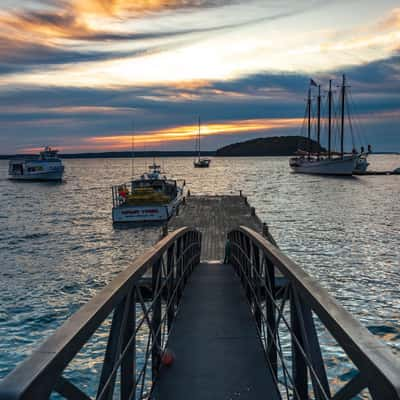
x=238 y=331
x=214 y=217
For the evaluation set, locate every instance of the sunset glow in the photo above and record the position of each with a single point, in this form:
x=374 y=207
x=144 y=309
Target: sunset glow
x=146 y=140
x=184 y=133
x=76 y=74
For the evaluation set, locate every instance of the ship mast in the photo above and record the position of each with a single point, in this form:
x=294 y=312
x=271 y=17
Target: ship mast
x=319 y=120
x=133 y=151
x=329 y=117
x=309 y=122
x=342 y=117
x=199 y=139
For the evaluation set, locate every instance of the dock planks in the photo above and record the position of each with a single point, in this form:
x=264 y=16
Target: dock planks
x=215 y=216
x=214 y=337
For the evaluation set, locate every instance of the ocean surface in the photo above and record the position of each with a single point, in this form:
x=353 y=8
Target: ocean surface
x=58 y=246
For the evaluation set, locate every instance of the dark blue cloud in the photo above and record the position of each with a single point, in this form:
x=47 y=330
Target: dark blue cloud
x=32 y=114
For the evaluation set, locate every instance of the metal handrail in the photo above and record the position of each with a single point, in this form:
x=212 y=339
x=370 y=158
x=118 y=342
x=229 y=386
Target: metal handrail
x=378 y=369
x=38 y=375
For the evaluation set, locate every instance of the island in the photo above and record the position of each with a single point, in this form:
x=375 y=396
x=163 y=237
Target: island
x=270 y=146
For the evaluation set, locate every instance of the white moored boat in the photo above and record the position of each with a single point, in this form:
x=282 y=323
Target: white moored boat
x=47 y=167
x=332 y=166
x=152 y=198
x=328 y=163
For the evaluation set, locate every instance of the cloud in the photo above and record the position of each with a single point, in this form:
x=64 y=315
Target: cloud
x=49 y=42
x=61 y=34
x=167 y=113
x=139 y=7
x=179 y=136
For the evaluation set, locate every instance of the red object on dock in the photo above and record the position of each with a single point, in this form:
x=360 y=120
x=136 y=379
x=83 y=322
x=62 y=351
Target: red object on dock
x=168 y=358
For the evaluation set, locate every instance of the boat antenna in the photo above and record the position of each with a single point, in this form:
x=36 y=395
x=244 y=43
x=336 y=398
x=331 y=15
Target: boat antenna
x=329 y=117
x=162 y=156
x=342 y=117
x=133 y=150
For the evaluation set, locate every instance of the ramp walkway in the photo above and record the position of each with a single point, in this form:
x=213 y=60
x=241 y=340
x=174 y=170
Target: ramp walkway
x=214 y=337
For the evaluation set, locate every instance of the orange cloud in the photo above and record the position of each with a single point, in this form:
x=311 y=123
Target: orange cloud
x=78 y=19
x=392 y=21
x=122 y=8
x=189 y=132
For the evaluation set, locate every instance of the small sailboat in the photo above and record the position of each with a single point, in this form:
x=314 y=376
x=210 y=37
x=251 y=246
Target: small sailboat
x=329 y=163
x=201 y=162
x=45 y=167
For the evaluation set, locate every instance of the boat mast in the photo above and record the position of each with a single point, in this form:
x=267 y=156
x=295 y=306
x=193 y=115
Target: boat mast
x=309 y=122
x=199 y=139
x=319 y=120
x=342 y=119
x=329 y=117
x=133 y=151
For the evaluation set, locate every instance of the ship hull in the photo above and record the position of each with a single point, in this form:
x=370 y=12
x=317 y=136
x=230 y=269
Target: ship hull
x=335 y=167
x=361 y=165
x=35 y=170
x=205 y=163
x=40 y=177
x=149 y=213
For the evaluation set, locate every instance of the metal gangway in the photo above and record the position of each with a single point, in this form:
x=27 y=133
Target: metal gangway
x=246 y=329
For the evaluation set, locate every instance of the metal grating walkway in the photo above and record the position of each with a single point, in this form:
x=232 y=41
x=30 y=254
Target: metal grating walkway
x=214 y=337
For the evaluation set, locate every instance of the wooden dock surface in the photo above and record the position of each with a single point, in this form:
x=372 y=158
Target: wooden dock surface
x=218 y=354
x=215 y=216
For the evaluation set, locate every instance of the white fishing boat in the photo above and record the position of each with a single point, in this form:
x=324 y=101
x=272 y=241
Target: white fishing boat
x=45 y=167
x=151 y=198
x=329 y=163
x=200 y=162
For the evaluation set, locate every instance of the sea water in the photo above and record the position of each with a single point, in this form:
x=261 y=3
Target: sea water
x=58 y=247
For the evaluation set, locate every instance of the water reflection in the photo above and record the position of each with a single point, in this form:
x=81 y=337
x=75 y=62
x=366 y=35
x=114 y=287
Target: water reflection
x=58 y=246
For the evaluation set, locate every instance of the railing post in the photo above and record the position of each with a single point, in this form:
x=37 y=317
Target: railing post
x=113 y=350
x=199 y=240
x=170 y=286
x=247 y=249
x=128 y=365
x=188 y=257
x=271 y=315
x=256 y=262
x=192 y=239
x=299 y=366
x=312 y=348
x=178 y=268
x=156 y=319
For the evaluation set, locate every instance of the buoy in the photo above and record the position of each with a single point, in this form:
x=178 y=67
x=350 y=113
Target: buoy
x=167 y=357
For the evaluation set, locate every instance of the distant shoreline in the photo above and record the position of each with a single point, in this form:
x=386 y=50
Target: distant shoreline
x=123 y=154
x=160 y=154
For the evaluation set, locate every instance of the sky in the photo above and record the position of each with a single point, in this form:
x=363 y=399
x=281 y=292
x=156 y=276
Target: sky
x=84 y=76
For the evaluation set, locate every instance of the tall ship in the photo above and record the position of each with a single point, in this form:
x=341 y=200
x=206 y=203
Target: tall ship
x=45 y=167
x=330 y=162
x=200 y=162
x=151 y=198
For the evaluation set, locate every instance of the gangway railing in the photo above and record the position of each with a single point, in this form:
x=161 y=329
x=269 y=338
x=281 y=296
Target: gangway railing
x=137 y=327
x=291 y=318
